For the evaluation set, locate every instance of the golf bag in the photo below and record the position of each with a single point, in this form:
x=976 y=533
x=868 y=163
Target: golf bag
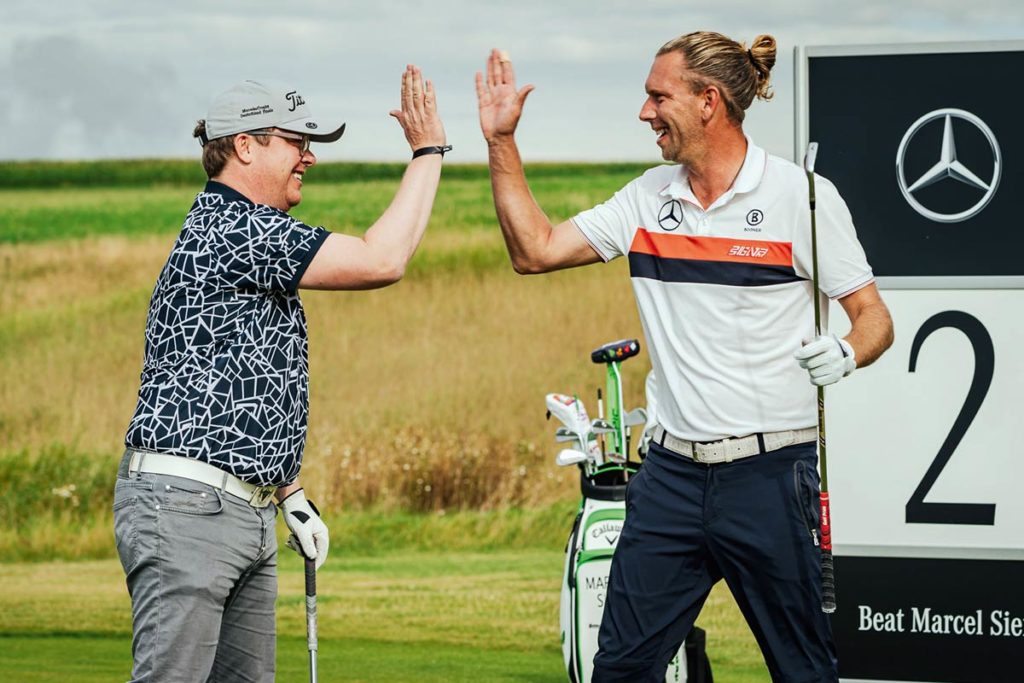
x=602 y=454
x=588 y=558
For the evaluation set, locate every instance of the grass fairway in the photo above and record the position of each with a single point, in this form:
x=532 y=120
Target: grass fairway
x=401 y=616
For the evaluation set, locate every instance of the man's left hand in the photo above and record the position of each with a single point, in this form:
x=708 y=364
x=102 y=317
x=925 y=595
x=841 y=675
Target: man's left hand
x=827 y=358
x=309 y=533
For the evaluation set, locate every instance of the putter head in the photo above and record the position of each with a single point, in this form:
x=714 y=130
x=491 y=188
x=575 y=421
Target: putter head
x=810 y=156
x=635 y=417
x=570 y=456
x=615 y=352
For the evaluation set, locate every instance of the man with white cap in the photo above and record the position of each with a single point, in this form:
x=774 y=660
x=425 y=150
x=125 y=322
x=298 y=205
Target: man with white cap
x=220 y=425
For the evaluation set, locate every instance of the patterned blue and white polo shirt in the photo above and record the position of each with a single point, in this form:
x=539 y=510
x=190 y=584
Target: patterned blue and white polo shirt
x=226 y=375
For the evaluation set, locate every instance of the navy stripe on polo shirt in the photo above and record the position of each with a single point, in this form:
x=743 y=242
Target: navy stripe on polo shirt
x=711 y=260
x=225 y=374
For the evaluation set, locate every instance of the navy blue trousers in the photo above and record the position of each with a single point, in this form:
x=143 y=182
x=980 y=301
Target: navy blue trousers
x=688 y=525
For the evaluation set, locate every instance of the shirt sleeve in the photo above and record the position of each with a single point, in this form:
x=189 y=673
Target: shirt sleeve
x=267 y=249
x=842 y=266
x=609 y=227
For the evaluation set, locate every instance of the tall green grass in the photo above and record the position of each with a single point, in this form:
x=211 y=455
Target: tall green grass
x=426 y=397
x=83 y=202
x=151 y=172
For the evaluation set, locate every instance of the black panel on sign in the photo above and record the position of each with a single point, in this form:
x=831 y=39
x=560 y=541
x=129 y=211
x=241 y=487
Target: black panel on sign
x=960 y=621
x=860 y=109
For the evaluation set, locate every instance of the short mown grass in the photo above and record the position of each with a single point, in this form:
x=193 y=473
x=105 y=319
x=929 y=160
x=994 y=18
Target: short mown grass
x=436 y=615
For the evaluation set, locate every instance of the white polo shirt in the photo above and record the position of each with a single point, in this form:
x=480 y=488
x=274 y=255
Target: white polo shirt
x=725 y=293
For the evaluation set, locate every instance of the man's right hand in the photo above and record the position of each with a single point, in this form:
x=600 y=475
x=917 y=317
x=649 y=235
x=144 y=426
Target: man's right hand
x=418 y=115
x=500 y=104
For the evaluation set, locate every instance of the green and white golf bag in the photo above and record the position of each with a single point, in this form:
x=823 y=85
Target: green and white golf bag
x=588 y=559
x=602 y=454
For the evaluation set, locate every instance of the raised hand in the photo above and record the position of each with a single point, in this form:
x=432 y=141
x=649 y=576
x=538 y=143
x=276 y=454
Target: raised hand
x=501 y=104
x=418 y=115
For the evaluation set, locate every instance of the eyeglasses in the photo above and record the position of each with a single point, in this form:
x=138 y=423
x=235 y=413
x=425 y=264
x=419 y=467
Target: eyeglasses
x=301 y=142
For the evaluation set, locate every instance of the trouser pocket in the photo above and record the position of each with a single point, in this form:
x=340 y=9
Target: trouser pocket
x=127 y=493
x=808 y=495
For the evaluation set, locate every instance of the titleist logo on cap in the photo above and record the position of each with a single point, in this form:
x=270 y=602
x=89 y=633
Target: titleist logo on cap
x=252 y=105
x=295 y=99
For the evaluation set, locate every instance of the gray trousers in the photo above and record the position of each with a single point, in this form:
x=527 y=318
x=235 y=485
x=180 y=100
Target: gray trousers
x=201 y=569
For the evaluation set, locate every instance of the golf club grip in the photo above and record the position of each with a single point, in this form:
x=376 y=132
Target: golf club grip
x=828 y=577
x=310 y=578
x=828 y=583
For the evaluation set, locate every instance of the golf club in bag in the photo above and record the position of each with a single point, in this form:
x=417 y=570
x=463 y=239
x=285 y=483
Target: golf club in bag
x=604 y=475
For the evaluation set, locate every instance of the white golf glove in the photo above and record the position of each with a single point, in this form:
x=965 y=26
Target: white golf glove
x=827 y=358
x=309 y=533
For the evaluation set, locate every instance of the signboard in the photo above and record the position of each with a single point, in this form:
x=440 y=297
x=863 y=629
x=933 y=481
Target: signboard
x=923 y=143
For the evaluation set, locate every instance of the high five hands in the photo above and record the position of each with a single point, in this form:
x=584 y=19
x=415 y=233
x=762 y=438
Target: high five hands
x=501 y=104
x=418 y=115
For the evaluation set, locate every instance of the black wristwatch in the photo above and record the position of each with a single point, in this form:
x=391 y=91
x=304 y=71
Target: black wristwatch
x=431 y=150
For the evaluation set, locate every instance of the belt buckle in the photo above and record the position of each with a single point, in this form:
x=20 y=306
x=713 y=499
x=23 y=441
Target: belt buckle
x=261 y=496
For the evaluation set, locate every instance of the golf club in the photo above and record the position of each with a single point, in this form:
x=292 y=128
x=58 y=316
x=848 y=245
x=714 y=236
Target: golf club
x=311 y=642
x=570 y=456
x=563 y=434
x=828 y=579
x=612 y=355
x=571 y=412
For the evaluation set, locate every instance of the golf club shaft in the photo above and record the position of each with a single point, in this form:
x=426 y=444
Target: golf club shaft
x=828 y=581
x=311 y=640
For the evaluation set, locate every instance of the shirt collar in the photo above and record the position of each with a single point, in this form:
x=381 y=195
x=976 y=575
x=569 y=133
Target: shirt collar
x=746 y=180
x=229 y=194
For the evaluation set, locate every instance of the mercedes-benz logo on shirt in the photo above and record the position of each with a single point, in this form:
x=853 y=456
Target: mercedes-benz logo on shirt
x=947 y=167
x=670 y=215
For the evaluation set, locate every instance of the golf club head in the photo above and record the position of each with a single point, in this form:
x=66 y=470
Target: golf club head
x=568 y=410
x=602 y=426
x=635 y=417
x=565 y=434
x=570 y=456
x=617 y=458
x=615 y=352
x=810 y=156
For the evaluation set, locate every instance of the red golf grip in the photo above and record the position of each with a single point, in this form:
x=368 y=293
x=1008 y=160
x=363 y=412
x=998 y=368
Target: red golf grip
x=828 y=578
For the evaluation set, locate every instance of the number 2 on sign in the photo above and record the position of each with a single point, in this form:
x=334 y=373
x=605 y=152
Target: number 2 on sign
x=918 y=511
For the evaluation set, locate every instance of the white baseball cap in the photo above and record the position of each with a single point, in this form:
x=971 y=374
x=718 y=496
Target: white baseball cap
x=251 y=105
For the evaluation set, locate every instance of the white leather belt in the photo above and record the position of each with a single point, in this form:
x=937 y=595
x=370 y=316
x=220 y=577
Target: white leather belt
x=727 y=450
x=189 y=468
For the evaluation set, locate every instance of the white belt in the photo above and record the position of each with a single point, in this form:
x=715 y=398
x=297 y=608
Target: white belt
x=189 y=468
x=728 y=450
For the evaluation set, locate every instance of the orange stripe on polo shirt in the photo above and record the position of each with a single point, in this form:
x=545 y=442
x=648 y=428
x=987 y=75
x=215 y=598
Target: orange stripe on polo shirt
x=726 y=249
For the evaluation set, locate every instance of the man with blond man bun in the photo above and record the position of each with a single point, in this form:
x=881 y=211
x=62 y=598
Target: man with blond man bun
x=719 y=252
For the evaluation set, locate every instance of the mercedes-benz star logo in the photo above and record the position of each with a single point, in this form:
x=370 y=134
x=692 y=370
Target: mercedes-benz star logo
x=947 y=166
x=670 y=215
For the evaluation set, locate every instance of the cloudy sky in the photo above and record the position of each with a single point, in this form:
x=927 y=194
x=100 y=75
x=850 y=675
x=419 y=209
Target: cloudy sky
x=89 y=79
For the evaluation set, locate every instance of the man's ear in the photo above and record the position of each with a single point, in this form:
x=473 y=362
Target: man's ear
x=711 y=102
x=244 y=147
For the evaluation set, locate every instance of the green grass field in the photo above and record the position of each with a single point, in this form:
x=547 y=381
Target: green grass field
x=400 y=616
x=427 y=445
